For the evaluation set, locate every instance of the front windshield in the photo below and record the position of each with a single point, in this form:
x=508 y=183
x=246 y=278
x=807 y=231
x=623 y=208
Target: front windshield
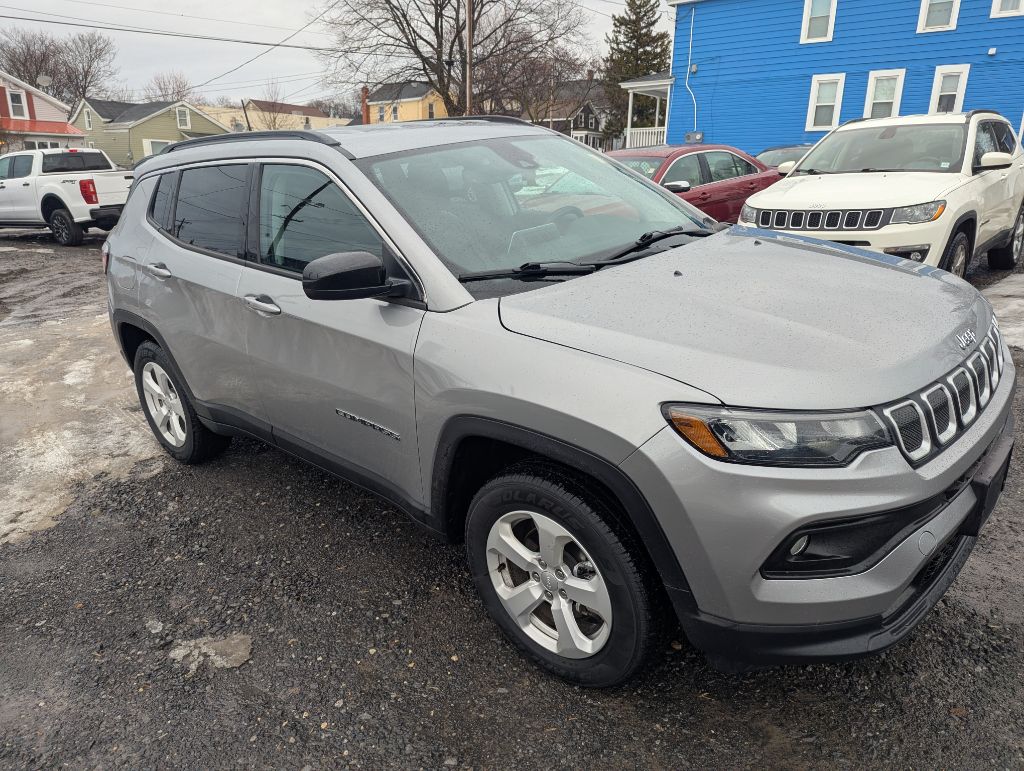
x=936 y=148
x=642 y=164
x=496 y=204
x=782 y=155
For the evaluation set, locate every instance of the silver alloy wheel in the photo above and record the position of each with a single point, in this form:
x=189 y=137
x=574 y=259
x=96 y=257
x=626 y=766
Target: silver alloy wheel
x=163 y=404
x=1018 y=238
x=549 y=584
x=959 y=266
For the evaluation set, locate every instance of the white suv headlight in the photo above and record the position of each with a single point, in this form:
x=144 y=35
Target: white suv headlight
x=776 y=438
x=748 y=214
x=923 y=212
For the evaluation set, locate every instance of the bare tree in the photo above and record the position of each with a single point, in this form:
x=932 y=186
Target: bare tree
x=275 y=118
x=26 y=54
x=89 y=65
x=424 y=40
x=171 y=86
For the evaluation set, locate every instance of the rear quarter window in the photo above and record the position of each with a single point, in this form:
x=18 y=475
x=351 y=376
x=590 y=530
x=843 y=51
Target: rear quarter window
x=160 y=205
x=63 y=163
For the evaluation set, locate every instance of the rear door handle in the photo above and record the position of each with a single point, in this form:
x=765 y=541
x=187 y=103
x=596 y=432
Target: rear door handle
x=262 y=304
x=158 y=269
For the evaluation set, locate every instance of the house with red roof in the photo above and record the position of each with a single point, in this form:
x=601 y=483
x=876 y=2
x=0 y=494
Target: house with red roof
x=31 y=119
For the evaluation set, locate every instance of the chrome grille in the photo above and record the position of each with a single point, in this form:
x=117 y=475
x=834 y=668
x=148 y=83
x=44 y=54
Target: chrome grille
x=925 y=422
x=840 y=219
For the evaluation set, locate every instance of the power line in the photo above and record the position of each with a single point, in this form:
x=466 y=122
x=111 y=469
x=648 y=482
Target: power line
x=160 y=33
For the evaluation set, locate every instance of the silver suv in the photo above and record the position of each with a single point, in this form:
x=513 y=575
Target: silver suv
x=629 y=416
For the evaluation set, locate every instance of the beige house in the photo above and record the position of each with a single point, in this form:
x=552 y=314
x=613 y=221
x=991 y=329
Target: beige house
x=262 y=115
x=129 y=132
x=31 y=119
x=413 y=100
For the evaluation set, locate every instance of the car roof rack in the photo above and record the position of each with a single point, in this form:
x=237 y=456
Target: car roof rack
x=488 y=118
x=972 y=113
x=250 y=136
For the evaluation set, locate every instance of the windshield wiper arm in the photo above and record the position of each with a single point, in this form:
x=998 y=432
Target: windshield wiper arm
x=530 y=270
x=636 y=249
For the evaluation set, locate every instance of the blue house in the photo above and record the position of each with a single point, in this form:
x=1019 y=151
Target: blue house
x=757 y=73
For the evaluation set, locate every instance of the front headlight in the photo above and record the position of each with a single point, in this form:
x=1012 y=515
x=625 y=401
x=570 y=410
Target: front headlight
x=748 y=214
x=923 y=212
x=769 y=438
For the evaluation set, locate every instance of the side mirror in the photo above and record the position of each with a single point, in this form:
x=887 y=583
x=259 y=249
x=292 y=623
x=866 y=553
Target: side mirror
x=995 y=161
x=677 y=187
x=350 y=276
x=785 y=168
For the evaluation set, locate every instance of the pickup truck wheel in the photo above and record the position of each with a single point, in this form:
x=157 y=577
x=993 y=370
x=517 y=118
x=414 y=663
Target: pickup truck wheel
x=957 y=255
x=1007 y=257
x=65 y=230
x=168 y=410
x=562 y=583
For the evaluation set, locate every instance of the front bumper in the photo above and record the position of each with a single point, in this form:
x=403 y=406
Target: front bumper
x=725 y=520
x=110 y=213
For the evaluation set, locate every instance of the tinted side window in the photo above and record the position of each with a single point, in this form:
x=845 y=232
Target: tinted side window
x=303 y=215
x=160 y=206
x=21 y=166
x=5 y=167
x=54 y=163
x=685 y=169
x=743 y=167
x=210 y=208
x=725 y=165
x=985 y=142
x=1005 y=138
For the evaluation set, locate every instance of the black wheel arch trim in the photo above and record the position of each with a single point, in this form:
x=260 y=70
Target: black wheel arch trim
x=965 y=217
x=633 y=503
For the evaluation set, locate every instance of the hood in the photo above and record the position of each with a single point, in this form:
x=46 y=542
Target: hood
x=763 y=320
x=882 y=190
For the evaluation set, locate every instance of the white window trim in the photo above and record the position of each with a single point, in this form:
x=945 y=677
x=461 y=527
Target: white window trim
x=873 y=76
x=964 y=70
x=188 y=118
x=10 y=104
x=923 y=15
x=812 y=102
x=92 y=145
x=807 y=18
x=997 y=14
x=88 y=120
x=147 y=145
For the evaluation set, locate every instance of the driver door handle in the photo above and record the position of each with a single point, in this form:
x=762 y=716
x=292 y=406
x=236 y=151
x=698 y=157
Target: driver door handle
x=158 y=269
x=262 y=304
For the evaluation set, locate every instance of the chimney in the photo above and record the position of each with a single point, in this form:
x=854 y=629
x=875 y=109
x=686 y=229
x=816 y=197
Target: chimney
x=366 y=107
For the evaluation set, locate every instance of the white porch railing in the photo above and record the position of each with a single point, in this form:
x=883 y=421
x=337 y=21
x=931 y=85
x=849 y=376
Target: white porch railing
x=645 y=137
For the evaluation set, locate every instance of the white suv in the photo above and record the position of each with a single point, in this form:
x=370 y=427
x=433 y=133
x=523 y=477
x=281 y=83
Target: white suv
x=938 y=189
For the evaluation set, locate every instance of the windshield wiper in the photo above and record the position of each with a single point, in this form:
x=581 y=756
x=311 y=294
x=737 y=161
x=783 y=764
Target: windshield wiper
x=811 y=172
x=530 y=270
x=873 y=171
x=637 y=248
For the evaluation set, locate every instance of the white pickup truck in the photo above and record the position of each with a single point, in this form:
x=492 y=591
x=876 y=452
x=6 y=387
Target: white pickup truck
x=69 y=190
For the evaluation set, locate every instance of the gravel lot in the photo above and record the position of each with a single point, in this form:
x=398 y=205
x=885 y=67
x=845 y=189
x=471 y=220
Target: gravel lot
x=257 y=612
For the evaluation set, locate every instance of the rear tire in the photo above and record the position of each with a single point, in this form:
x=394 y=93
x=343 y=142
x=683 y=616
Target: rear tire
x=65 y=230
x=564 y=582
x=1007 y=257
x=957 y=256
x=168 y=410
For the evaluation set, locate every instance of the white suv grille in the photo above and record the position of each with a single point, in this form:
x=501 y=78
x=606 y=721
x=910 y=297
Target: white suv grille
x=926 y=422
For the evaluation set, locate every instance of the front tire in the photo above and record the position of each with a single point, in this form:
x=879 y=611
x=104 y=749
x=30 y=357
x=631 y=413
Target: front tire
x=957 y=256
x=168 y=410
x=1007 y=257
x=66 y=231
x=561 y=579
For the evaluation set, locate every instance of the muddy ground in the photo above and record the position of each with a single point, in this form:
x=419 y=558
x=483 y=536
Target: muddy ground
x=257 y=612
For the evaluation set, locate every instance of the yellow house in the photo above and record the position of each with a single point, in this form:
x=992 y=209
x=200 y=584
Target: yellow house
x=412 y=100
x=262 y=115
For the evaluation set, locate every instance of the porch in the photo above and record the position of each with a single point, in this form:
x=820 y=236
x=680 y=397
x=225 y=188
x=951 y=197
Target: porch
x=657 y=86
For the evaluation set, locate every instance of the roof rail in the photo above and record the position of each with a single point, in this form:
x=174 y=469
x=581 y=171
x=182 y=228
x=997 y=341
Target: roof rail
x=972 y=113
x=250 y=136
x=488 y=118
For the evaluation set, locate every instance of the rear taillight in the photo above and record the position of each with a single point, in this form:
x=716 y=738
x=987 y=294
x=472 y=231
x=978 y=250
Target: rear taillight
x=88 y=188
x=105 y=252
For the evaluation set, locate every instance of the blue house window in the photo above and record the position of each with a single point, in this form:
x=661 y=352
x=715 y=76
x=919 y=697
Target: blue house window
x=949 y=88
x=1002 y=8
x=938 y=15
x=885 y=90
x=826 y=101
x=819 y=21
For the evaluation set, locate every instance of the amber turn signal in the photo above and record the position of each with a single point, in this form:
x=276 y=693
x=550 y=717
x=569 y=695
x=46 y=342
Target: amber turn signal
x=696 y=432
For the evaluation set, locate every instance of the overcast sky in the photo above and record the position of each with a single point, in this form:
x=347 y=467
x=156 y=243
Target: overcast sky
x=142 y=56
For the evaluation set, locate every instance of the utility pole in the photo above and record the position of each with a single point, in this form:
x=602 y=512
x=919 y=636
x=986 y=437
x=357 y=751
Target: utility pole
x=469 y=57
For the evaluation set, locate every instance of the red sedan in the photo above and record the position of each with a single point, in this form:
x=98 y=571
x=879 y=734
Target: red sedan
x=717 y=179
